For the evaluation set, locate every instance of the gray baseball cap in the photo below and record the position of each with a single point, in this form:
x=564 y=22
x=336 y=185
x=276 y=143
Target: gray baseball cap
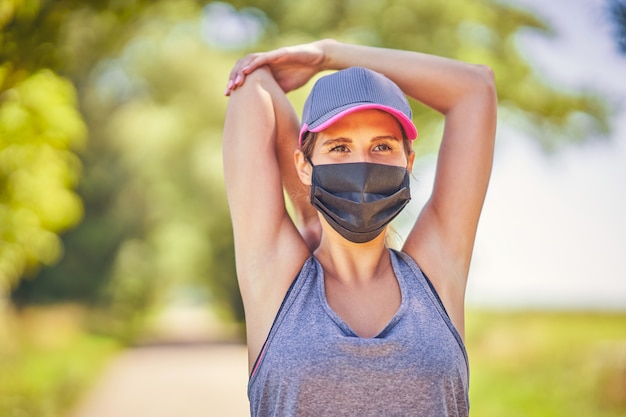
x=343 y=92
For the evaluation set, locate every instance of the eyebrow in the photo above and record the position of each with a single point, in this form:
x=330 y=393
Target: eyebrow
x=389 y=137
x=339 y=140
x=343 y=140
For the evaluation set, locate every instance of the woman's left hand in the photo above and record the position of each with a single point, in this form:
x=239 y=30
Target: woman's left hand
x=292 y=66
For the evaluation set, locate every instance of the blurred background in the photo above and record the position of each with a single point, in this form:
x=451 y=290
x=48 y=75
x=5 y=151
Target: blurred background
x=115 y=238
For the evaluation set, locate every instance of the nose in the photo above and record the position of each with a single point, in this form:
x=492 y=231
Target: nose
x=363 y=156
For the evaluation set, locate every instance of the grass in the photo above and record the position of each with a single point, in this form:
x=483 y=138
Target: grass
x=47 y=362
x=547 y=364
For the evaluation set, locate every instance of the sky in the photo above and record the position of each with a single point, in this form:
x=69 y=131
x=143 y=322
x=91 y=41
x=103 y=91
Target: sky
x=553 y=229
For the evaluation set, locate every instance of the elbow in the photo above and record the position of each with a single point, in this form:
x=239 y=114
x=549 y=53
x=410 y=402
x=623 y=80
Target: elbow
x=486 y=72
x=486 y=81
x=481 y=89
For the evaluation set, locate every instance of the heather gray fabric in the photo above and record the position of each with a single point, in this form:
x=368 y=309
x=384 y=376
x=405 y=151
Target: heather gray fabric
x=313 y=364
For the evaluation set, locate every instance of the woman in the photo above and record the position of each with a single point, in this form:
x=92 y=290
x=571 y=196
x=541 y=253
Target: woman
x=337 y=323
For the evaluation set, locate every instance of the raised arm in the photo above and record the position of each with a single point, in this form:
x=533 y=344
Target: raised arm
x=304 y=214
x=465 y=95
x=442 y=238
x=291 y=68
x=269 y=250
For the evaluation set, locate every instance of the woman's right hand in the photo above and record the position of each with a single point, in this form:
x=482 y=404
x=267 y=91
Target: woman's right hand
x=292 y=66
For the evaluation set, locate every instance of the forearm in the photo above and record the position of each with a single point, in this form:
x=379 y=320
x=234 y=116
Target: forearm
x=287 y=129
x=262 y=126
x=251 y=170
x=437 y=82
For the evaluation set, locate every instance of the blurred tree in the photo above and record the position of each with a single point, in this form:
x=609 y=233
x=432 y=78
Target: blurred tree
x=617 y=13
x=40 y=131
x=156 y=214
x=150 y=78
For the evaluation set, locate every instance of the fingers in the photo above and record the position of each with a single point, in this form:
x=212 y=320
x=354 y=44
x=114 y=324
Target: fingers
x=242 y=68
x=307 y=56
x=246 y=66
x=236 y=77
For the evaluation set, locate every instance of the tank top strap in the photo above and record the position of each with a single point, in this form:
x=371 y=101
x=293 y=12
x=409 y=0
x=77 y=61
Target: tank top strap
x=409 y=267
x=309 y=267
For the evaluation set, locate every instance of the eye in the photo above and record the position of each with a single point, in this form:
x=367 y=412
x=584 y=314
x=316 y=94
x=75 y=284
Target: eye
x=339 y=148
x=382 y=147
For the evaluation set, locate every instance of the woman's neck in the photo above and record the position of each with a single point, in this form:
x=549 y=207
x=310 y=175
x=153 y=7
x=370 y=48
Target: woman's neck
x=353 y=263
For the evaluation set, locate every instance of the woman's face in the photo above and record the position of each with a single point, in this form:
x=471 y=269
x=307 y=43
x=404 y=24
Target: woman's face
x=364 y=136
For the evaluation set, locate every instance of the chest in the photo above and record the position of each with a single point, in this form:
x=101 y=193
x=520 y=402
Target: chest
x=319 y=340
x=323 y=369
x=366 y=309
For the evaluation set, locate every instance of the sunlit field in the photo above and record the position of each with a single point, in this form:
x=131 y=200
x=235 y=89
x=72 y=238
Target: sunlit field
x=547 y=364
x=47 y=362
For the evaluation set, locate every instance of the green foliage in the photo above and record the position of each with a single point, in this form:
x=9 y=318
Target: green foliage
x=156 y=214
x=547 y=364
x=39 y=129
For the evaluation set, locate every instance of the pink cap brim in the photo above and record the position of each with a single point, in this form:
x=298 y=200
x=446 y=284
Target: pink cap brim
x=405 y=122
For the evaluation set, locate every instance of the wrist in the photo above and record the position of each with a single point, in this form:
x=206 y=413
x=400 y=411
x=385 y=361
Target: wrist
x=329 y=48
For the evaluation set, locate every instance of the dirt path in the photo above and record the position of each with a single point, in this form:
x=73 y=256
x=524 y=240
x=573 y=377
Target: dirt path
x=172 y=381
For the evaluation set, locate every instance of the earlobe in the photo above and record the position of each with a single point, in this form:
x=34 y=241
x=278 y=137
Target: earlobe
x=303 y=167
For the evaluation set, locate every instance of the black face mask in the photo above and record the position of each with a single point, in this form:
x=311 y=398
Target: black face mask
x=359 y=199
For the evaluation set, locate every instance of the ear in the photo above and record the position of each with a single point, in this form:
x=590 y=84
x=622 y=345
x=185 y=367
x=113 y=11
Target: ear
x=303 y=167
x=410 y=159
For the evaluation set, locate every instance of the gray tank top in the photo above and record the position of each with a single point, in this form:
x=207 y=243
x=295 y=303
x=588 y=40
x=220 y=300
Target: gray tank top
x=313 y=363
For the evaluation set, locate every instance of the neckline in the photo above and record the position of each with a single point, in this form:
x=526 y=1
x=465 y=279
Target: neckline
x=341 y=323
